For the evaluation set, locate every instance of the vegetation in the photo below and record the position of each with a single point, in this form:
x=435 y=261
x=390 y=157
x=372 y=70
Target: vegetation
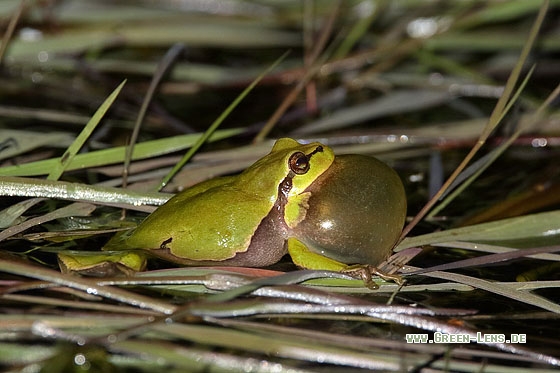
x=108 y=107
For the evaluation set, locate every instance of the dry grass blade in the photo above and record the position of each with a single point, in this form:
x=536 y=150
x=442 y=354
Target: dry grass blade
x=76 y=209
x=86 y=285
x=314 y=63
x=10 y=30
x=162 y=69
x=493 y=121
x=497 y=288
x=26 y=187
x=413 y=84
x=11 y=214
x=392 y=103
x=462 y=183
x=489 y=259
x=194 y=359
x=214 y=126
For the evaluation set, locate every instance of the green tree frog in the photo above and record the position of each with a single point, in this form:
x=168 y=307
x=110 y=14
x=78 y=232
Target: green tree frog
x=327 y=212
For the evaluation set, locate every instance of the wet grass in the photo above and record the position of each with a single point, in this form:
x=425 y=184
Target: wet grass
x=459 y=95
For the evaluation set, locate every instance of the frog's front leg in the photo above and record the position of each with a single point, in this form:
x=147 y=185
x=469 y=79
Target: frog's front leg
x=305 y=258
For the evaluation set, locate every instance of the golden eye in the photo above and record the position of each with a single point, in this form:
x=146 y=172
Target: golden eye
x=299 y=163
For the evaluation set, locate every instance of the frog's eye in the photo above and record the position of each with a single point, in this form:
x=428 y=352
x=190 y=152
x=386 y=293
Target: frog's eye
x=299 y=163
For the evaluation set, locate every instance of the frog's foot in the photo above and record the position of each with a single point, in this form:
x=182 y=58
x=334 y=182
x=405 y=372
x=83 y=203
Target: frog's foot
x=365 y=272
x=102 y=264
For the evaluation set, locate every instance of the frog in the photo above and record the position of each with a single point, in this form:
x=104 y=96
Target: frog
x=327 y=212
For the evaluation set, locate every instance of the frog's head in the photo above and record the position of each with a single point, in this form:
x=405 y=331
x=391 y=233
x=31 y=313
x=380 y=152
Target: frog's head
x=302 y=164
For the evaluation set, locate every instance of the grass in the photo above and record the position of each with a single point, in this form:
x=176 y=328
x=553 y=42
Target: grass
x=459 y=97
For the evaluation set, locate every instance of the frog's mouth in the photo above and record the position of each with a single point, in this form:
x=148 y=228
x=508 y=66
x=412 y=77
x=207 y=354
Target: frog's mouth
x=318 y=149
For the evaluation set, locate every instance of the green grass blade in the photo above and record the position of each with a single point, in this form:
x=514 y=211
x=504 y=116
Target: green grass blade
x=493 y=121
x=544 y=224
x=214 y=126
x=472 y=172
x=17 y=142
x=105 y=157
x=73 y=149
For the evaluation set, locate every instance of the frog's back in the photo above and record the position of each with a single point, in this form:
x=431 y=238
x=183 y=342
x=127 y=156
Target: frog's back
x=211 y=221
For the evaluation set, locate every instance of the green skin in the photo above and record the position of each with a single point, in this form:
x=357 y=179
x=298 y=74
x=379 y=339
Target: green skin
x=326 y=212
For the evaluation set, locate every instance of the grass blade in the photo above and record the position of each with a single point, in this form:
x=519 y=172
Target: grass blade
x=217 y=123
x=70 y=153
x=493 y=121
x=544 y=224
x=147 y=149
